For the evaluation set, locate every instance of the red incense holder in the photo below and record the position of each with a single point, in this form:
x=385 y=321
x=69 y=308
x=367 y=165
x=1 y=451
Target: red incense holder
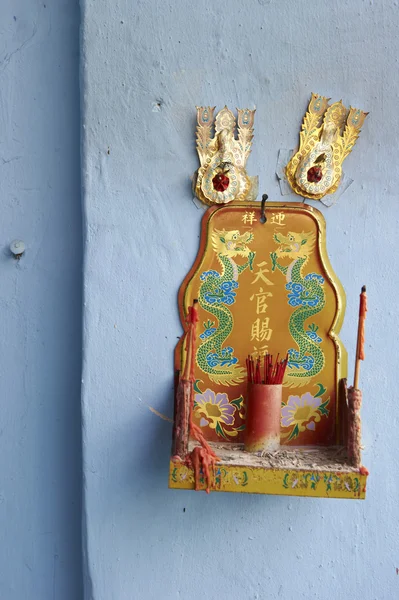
x=262 y=430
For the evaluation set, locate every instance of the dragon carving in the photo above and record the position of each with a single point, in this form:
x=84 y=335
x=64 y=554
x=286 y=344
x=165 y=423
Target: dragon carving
x=306 y=295
x=217 y=293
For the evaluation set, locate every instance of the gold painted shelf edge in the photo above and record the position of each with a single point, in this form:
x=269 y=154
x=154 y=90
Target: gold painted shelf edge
x=346 y=484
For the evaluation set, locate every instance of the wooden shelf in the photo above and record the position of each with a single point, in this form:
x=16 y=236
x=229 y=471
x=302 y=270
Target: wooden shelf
x=322 y=472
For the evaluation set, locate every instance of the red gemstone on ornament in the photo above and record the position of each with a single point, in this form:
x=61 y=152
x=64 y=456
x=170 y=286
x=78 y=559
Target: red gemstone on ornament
x=315 y=174
x=221 y=182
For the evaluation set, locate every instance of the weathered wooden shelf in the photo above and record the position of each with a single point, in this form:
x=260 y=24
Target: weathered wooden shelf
x=293 y=471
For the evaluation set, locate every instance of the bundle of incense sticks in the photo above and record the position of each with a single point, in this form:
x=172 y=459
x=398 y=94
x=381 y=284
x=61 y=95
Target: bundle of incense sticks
x=272 y=374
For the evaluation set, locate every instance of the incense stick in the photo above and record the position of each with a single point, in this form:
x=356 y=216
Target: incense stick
x=273 y=374
x=360 y=336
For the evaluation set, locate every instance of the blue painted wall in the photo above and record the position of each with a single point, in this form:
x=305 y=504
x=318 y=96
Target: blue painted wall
x=40 y=302
x=145 y=65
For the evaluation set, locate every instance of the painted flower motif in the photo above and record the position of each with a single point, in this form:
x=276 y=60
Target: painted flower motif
x=301 y=412
x=214 y=409
x=346 y=483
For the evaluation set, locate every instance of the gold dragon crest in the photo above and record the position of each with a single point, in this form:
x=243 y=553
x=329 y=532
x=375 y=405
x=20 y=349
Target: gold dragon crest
x=222 y=176
x=328 y=135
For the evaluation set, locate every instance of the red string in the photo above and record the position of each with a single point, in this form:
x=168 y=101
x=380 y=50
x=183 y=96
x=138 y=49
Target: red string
x=202 y=456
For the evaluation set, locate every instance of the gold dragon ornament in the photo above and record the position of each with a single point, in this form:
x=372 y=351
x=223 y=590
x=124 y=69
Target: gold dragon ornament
x=327 y=137
x=222 y=176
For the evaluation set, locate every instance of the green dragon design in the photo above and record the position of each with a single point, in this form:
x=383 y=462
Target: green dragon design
x=217 y=292
x=306 y=293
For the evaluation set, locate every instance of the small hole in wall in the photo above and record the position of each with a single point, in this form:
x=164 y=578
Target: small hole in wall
x=157 y=105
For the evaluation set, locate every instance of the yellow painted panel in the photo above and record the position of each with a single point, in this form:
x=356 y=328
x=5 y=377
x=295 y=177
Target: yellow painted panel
x=291 y=482
x=266 y=288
